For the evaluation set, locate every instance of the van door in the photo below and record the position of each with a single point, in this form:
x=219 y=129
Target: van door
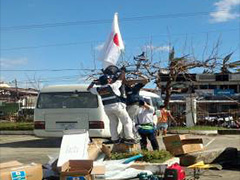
x=64 y=121
x=67 y=110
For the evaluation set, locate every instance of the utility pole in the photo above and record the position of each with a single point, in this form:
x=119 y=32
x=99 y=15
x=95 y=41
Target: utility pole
x=191 y=110
x=16 y=89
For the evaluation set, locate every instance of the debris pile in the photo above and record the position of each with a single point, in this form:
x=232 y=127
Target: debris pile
x=95 y=160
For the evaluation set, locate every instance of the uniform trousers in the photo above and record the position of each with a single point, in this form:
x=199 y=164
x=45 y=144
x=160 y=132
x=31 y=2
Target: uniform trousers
x=133 y=111
x=152 y=138
x=116 y=112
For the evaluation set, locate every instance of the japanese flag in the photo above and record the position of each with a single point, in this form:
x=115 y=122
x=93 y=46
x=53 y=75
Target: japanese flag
x=113 y=46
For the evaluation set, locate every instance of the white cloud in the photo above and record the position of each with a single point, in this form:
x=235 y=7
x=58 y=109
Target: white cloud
x=157 y=48
x=225 y=10
x=11 y=63
x=99 y=47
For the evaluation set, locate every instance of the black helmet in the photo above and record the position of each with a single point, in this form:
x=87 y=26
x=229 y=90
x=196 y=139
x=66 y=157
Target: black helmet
x=111 y=70
x=104 y=79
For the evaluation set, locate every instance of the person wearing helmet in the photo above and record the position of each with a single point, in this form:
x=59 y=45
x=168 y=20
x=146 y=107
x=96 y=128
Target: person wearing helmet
x=114 y=108
x=132 y=89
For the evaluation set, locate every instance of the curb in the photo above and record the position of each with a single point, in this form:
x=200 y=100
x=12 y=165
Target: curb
x=16 y=132
x=229 y=131
x=197 y=132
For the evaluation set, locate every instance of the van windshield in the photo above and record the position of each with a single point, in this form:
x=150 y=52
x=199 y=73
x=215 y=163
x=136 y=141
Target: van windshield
x=60 y=100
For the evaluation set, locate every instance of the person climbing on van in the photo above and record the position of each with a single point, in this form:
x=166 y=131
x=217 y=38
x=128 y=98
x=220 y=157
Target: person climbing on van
x=163 y=118
x=132 y=89
x=145 y=126
x=114 y=108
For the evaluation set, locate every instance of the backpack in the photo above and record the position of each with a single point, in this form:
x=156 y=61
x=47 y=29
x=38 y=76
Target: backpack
x=174 y=172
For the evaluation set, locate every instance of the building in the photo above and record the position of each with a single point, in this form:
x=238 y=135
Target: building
x=14 y=99
x=216 y=94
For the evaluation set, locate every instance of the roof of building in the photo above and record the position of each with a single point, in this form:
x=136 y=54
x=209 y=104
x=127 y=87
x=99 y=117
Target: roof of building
x=20 y=90
x=4 y=85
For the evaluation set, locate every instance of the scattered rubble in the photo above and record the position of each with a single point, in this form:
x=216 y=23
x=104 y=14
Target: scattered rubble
x=93 y=160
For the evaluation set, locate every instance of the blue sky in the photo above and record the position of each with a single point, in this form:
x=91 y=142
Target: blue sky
x=48 y=42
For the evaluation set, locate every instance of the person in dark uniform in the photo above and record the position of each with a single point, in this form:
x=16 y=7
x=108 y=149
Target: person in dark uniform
x=132 y=92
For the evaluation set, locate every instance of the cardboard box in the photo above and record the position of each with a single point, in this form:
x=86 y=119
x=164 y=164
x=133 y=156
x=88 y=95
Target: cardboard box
x=94 y=150
x=180 y=144
x=9 y=164
x=106 y=150
x=124 y=148
x=77 y=169
x=14 y=170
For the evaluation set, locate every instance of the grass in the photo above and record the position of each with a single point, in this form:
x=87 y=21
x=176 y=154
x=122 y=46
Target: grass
x=198 y=128
x=148 y=156
x=16 y=126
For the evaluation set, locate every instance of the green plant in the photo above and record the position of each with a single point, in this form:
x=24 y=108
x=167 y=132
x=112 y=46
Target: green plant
x=148 y=156
x=16 y=126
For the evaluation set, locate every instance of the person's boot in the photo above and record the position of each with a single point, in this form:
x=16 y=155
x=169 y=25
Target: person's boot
x=130 y=141
x=108 y=142
x=112 y=141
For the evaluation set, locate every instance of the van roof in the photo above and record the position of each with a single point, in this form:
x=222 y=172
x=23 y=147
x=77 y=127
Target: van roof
x=83 y=87
x=65 y=88
x=148 y=94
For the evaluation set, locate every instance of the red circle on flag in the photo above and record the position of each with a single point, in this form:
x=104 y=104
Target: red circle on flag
x=115 y=39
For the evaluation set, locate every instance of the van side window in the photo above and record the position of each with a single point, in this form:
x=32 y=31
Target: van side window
x=58 y=100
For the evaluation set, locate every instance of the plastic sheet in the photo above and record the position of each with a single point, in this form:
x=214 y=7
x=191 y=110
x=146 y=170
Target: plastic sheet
x=49 y=169
x=115 y=169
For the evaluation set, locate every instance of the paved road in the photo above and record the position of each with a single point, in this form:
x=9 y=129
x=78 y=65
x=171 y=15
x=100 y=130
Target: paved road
x=26 y=149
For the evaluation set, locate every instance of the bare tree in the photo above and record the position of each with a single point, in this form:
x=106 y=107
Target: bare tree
x=226 y=66
x=177 y=66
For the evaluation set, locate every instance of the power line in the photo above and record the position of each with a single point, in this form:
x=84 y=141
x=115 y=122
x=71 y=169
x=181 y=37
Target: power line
x=52 y=78
x=184 y=34
x=73 y=78
x=47 y=45
x=104 y=21
x=42 y=81
x=52 y=25
x=50 y=70
x=92 y=42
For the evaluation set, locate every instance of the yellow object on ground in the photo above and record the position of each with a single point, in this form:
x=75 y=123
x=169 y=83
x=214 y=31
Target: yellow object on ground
x=201 y=165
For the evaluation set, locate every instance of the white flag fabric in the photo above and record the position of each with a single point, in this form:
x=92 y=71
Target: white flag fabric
x=113 y=46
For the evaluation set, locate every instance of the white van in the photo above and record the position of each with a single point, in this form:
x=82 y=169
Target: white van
x=64 y=107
